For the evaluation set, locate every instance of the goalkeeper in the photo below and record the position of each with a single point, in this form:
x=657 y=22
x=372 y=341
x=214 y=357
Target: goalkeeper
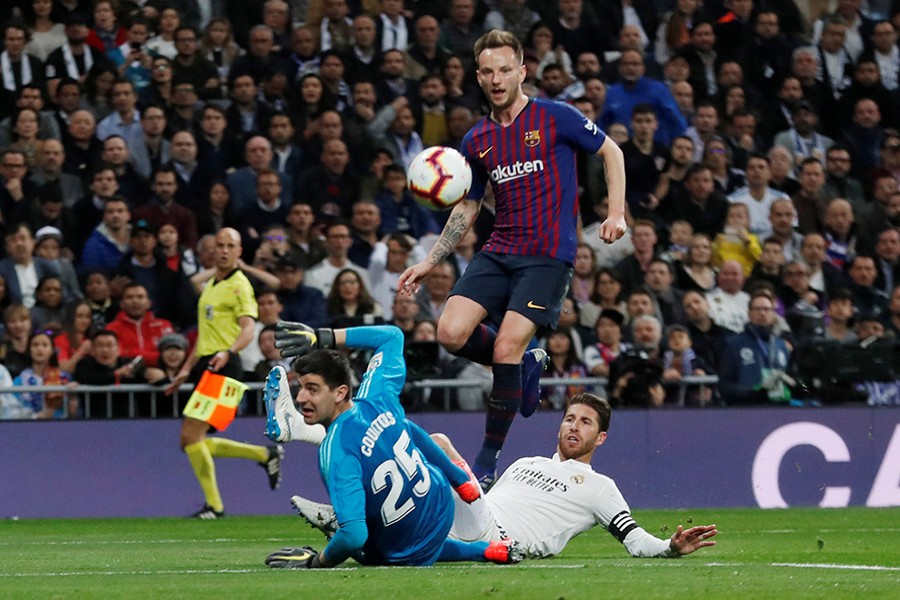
x=392 y=499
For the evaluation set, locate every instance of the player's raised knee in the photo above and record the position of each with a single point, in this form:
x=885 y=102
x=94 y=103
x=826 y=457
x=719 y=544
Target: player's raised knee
x=508 y=350
x=451 y=335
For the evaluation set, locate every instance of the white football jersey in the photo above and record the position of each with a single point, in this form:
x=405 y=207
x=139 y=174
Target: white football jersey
x=544 y=502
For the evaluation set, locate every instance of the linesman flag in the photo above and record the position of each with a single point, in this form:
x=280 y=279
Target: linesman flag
x=215 y=400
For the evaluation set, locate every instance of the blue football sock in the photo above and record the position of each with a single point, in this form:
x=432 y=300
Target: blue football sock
x=480 y=346
x=505 y=398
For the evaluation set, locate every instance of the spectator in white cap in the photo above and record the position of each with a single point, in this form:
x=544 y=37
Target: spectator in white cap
x=48 y=241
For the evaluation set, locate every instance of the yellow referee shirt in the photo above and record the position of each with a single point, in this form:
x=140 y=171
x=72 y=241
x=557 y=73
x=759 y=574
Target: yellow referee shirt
x=222 y=302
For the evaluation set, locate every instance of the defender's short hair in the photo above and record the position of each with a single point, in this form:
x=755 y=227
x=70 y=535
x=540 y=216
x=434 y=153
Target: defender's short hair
x=600 y=405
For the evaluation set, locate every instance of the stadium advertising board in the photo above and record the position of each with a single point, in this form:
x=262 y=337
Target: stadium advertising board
x=662 y=459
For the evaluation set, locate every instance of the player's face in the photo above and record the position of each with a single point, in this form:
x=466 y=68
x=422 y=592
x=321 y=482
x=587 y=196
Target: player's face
x=318 y=402
x=579 y=433
x=500 y=75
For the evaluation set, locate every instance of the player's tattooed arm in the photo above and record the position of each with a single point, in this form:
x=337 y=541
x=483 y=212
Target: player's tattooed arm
x=461 y=219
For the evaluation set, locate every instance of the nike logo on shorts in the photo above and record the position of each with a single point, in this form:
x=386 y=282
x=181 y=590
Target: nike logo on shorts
x=531 y=304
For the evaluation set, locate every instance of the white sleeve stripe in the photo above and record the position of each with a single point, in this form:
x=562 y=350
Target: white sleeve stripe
x=621 y=524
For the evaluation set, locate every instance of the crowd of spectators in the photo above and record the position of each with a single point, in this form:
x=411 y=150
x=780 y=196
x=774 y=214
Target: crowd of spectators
x=760 y=138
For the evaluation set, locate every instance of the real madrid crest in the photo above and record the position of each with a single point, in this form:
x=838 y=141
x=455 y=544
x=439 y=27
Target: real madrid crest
x=532 y=138
x=577 y=479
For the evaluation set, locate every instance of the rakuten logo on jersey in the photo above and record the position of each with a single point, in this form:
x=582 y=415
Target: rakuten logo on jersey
x=516 y=170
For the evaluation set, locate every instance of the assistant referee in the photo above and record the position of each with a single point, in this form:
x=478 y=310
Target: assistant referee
x=226 y=313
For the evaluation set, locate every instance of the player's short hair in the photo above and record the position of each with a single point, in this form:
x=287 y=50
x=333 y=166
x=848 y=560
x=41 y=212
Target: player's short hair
x=496 y=38
x=332 y=366
x=600 y=406
x=774 y=241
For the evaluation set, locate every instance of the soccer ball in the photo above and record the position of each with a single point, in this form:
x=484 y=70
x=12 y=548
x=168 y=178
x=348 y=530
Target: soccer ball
x=439 y=177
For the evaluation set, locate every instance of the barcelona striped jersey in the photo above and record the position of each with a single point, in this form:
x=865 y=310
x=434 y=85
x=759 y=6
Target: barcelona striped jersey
x=531 y=167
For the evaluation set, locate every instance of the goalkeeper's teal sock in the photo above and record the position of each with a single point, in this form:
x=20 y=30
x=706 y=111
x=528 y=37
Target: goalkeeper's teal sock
x=455 y=550
x=205 y=471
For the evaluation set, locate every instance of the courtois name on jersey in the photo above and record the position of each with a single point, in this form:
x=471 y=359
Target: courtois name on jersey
x=382 y=421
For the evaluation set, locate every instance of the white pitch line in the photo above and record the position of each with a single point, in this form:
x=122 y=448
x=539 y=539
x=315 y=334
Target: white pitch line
x=733 y=565
x=126 y=542
x=115 y=573
x=244 y=571
x=851 y=530
x=836 y=566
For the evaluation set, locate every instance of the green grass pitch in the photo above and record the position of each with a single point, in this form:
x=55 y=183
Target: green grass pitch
x=785 y=554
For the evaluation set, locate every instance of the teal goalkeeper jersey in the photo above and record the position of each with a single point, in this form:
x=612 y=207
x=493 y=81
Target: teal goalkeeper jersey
x=375 y=473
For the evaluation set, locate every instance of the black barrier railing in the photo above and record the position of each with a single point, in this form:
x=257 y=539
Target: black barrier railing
x=96 y=399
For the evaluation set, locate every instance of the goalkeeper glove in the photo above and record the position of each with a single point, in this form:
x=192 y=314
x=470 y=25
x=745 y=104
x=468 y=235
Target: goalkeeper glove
x=297 y=339
x=294 y=558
